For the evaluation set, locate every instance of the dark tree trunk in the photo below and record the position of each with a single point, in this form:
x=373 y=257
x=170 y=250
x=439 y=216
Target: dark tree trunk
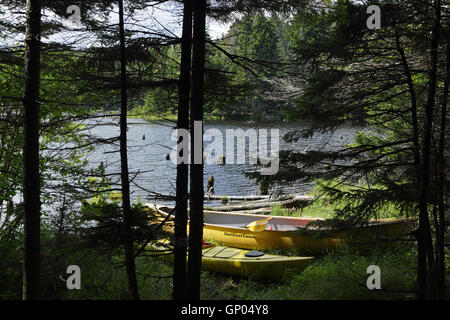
x=127 y=230
x=424 y=236
x=180 y=247
x=440 y=239
x=425 y=247
x=412 y=94
x=196 y=182
x=31 y=177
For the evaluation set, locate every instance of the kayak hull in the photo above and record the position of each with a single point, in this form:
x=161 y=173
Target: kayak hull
x=233 y=261
x=282 y=232
x=265 y=240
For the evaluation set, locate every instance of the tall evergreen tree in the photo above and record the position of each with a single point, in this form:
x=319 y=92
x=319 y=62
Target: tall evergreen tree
x=179 y=268
x=424 y=243
x=388 y=80
x=127 y=215
x=31 y=177
x=196 y=168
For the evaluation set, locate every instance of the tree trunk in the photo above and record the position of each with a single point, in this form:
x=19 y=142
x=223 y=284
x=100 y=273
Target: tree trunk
x=412 y=94
x=127 y=230
x=31 y=176
x=196 y=183
x=180 y=247
x=424 y=235
x=440 y=239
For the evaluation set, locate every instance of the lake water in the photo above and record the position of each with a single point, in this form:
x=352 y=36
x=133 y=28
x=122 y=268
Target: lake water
x=158 y=174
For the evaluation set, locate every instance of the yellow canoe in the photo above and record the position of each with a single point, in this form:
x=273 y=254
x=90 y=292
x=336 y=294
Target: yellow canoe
x=244 y=263
x=282 y=232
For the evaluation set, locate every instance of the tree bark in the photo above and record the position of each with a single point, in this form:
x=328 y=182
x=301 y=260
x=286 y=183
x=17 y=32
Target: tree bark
x=440 y=238
x=414 y=118
x=196 y=175
x=180 y=246
x=127 y=230
x=424 y=235
x=31 y=175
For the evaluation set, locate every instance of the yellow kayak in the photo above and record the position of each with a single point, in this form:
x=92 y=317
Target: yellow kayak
x=263 y=232
x=245 y=263
x=255 y=264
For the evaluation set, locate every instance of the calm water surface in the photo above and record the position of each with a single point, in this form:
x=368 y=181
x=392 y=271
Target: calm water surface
x=148 y=156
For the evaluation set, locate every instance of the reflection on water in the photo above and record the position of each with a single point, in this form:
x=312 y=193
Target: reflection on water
x=150 y=143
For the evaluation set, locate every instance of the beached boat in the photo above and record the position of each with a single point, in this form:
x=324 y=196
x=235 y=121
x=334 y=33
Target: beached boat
x=244 y=263
x=231 y=229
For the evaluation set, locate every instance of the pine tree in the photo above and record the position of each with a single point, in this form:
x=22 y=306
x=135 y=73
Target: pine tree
x=349 y=74
x=127 y=215
x=196 y=167
x=31 y=177
x=179 y=268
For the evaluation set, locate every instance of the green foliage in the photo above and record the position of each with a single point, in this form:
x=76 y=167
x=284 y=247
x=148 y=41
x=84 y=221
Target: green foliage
x=11 y=269
x=104 y=213
x=342 y=81
x=104 y=279
x=257 y=38
x=264 y=187
x=238 y=70
x=328 y=207
x=342 y=275
x=224 y=200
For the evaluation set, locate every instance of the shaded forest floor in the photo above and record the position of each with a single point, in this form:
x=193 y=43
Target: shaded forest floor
x=338 y=275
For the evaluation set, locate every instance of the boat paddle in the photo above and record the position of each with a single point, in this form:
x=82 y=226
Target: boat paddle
x=258 y=225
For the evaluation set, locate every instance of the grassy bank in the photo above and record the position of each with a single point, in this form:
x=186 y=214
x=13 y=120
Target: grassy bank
x=338 y=275
x=322 y=207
